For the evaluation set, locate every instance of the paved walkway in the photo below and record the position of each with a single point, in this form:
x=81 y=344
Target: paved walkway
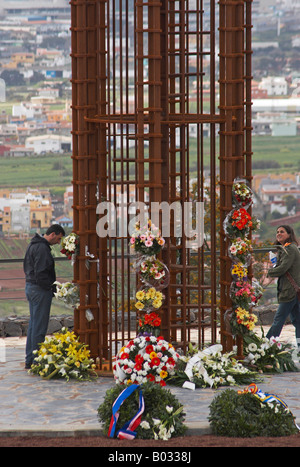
x=30 y=405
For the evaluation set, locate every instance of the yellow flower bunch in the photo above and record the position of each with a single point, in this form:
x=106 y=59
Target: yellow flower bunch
x=245 y=318
x=239 y=271
x=63 y=356
x=148 y=298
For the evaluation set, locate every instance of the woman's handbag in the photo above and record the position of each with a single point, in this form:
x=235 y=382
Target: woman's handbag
x=294 y=284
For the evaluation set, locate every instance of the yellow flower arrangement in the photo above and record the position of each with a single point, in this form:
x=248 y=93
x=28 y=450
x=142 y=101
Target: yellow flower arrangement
x=148 y=298
x=243 y=320
x=63 y=356
x=239 y=271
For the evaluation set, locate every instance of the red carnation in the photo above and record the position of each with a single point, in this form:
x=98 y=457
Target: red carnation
x=149 y=349
x=155 y=362
x=139 y=359
x=150 y=377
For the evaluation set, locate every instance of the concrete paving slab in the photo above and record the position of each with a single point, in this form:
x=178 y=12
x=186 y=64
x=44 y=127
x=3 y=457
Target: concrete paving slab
x=30 y=406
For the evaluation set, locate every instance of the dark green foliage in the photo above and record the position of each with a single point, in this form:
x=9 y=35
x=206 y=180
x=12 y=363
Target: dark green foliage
x=244 y=416
x=156 y=400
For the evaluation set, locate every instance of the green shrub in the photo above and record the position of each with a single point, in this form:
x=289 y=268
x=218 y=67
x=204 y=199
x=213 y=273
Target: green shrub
x=162 y=418
x=245 y=416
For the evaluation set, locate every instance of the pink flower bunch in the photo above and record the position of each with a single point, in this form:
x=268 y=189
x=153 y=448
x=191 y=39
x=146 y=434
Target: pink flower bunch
x=147 y=239
x=242 y=293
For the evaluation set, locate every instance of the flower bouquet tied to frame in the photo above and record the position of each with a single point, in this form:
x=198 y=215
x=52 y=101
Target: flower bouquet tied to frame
x=148 y=298
x=145 y=359
x=242 y=293
x=63 y=356
x=240 y=250
x=242 y=194
x=154 y=273
x=239 y=272
x=70 y=245
x=68 y=293
x=149 y=324
x=239 y=223
x=242 y=321
x=146 y=239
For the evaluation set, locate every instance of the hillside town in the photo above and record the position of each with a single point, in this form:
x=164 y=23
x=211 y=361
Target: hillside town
x=22 y=211
x=35 y=91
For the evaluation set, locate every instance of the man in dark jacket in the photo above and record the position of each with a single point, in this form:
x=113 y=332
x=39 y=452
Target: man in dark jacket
x=40 y=275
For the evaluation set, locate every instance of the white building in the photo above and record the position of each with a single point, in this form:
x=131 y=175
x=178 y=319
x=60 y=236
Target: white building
x=275 y=86
x=49 y=92
x=20 y=213
x=20 y=218
x=2 y=90
x=26 y=110
x=275 y=192
x=290 y=4
x=8 y=129
x=49 y=143
x=291 y=105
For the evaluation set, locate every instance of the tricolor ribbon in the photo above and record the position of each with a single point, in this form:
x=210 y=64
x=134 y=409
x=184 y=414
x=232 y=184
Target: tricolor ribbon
x=127 y=431
x=264 y=397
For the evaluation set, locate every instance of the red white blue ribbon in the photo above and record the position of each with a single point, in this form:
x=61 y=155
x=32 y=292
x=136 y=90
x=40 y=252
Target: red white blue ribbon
x=127 y=431
x=264 y=397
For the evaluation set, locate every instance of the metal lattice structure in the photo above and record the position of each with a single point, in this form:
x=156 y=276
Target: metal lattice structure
x=161 y=111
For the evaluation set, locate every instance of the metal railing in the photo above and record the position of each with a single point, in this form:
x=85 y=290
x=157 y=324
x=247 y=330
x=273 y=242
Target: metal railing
x=16 y=290
x=63 y=277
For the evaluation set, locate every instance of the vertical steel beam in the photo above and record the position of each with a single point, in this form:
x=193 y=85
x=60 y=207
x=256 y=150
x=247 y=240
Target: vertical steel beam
x=83 y=26
x=233 y=69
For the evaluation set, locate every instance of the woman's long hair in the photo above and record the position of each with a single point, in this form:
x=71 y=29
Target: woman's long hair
x=291 y=233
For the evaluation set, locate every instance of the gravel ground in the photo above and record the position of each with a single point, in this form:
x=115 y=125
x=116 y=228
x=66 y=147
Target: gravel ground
x=172 y=444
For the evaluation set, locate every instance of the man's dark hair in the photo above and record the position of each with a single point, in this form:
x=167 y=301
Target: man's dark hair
x=57 y=229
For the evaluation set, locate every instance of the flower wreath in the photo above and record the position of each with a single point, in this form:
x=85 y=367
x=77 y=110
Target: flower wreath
x=145 y=359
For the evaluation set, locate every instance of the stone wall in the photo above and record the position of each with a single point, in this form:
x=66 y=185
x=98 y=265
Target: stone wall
x=17 y=326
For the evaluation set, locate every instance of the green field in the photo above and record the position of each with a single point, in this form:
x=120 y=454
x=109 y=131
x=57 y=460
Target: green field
x=283 y=150
x=36 y=171
x=52 y=171
x=270 y=154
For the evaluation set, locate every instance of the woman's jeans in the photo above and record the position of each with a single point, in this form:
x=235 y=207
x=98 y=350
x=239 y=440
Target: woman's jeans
x=39 y=307
x=284 y=310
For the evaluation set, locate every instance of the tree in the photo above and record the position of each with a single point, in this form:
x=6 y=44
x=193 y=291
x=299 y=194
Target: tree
x=290 y=202
x=13 y=78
